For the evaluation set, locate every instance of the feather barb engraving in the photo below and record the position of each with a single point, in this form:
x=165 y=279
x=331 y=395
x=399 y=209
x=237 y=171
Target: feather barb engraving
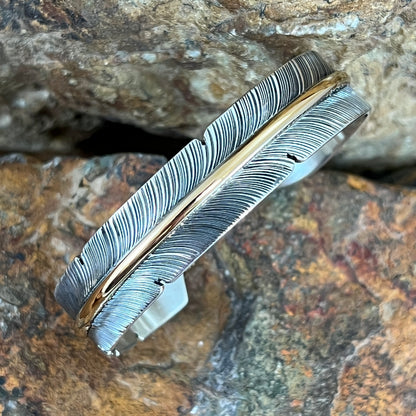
x=202 y=192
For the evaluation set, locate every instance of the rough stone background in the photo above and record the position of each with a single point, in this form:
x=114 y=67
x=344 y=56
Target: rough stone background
x=306 y=308
x=173 y=66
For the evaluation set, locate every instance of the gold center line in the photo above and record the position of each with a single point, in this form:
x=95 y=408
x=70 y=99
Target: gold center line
x=116 y=277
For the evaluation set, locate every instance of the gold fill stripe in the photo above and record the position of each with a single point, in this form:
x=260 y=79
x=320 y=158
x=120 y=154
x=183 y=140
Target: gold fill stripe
x=202 y=192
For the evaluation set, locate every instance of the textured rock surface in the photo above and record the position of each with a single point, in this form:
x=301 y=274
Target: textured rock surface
x=46 y=367
x=174 y=66
x=307 y=307
x=32 y=121
x=326 y=312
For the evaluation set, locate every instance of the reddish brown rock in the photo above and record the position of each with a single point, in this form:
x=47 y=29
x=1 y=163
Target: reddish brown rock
x=47 y=212
x=308 y=306
x=323 y=317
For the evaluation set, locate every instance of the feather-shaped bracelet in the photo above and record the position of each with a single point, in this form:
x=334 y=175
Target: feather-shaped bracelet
x=128 y=279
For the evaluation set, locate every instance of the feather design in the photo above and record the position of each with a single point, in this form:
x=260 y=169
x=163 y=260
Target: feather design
x=180 y=175
x=234 y=200
x=207 y=223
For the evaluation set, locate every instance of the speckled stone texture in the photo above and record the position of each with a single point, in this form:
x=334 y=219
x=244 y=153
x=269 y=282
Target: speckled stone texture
x=173 y=66
x=306 y=307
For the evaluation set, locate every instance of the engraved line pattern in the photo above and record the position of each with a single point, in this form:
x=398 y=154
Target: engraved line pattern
x=179 y=176
x=234 y=200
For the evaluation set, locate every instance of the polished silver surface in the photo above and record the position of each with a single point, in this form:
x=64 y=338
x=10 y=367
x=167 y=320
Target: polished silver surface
x=171 y=301
x=298 y=151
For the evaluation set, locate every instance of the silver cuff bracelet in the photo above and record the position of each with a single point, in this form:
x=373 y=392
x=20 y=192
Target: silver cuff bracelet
x=128 y=279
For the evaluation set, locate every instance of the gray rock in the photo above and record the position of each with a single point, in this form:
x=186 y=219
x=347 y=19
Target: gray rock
x=173 y=67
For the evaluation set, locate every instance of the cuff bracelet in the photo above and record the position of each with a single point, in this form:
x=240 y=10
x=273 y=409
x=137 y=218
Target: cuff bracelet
x=128 y=279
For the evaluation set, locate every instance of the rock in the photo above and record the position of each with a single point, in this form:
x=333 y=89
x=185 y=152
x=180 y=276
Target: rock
x=32 y=112
x=323 y=310
x=307 y=306
x=173 y=67
x=403 y=177
x=46 y=213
